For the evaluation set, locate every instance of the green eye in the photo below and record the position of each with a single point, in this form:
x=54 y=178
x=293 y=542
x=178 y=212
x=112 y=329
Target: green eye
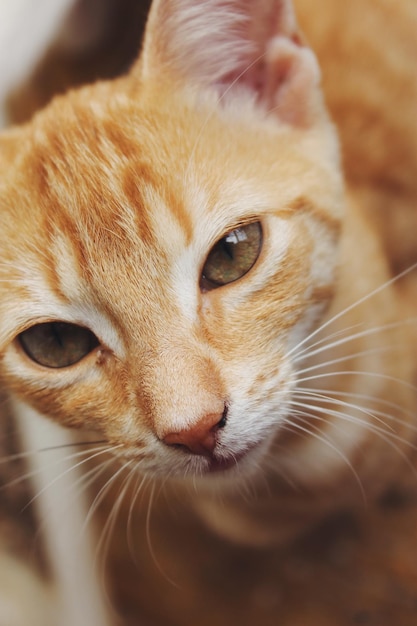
x=232 y=256
x=57 y=344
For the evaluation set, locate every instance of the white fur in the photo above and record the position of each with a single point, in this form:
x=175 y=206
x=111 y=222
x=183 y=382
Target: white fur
x=70 y=544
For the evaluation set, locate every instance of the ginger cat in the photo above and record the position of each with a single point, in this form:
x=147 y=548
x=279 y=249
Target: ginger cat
x=188 y=269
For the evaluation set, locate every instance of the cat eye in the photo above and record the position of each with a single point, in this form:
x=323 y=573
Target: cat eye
x=57 y=344
x=232 y=256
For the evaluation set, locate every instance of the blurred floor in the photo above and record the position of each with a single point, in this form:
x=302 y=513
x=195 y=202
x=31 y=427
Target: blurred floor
x=351 y=570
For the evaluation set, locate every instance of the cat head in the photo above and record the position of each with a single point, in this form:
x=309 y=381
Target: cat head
x=170 y=236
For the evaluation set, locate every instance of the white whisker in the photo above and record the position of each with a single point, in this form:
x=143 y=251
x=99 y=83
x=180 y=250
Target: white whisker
x=385 y=377
x=360 y=335
x=82 y=484
x=69 y=470
x=374 y=414
x=101 y=494
x=352 y=306
x=309 y=432
x=326 y=340
x=386 y=435
x=51 y=466
x=29 y=453
x=137 y=490
x=325 y=393
x=149 y=539
x=343 y=359
x=107 y=530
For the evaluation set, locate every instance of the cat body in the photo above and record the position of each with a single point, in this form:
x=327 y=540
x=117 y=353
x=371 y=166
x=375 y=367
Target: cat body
x=295 y=375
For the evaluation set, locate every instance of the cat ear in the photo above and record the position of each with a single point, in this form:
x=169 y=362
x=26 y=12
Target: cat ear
x=232 y=45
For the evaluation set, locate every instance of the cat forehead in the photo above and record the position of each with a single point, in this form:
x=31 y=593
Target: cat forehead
x=89 y=136
x=135 y=181
x=109 y=166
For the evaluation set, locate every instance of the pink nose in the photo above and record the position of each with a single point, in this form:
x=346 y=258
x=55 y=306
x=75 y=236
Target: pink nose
x=201 y=437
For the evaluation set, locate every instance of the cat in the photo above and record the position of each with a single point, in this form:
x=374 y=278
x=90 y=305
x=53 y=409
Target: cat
x=187 y=271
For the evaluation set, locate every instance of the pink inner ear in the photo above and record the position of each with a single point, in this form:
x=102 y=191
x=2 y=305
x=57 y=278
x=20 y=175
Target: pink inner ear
x=291 y=82
x=285 y=79
x=233 y=44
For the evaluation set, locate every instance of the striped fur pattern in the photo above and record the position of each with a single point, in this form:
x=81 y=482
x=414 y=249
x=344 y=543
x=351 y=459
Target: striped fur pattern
x=112 y=200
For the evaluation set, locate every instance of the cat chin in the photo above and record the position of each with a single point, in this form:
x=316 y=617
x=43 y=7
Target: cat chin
x=224 y=468
x=231 y=471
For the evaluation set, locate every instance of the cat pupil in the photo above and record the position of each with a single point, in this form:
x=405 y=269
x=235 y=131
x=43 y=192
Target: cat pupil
x=57 y=344
x=227 y=248
x=232 y=256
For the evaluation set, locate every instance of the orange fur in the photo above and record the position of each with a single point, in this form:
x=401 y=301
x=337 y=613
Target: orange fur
x=112 y=199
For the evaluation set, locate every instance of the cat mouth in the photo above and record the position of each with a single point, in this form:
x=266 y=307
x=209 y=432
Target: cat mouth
x=222 y=465
x=227 y=463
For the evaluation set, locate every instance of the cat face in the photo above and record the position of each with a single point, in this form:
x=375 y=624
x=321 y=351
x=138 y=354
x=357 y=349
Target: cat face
x=168 y=240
